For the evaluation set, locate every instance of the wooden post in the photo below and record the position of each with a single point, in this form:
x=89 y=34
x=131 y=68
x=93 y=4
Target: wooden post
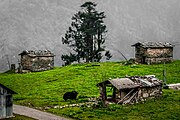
x=114 y=93
x=164 y=73
x=103 y=94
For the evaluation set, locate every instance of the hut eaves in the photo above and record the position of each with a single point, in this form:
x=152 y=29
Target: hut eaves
x=153 y=44
x=123 y=83
x=37 y=53
x=120 y=83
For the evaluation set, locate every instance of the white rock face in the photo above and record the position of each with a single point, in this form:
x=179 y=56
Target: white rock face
x=40 y=24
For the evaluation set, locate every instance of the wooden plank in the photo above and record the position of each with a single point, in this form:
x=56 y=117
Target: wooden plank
x=125 y=96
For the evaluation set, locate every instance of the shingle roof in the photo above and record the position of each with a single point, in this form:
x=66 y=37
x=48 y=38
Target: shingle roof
x=133 y=82
x=34 y=53
x=153 y=44
x=121 y=83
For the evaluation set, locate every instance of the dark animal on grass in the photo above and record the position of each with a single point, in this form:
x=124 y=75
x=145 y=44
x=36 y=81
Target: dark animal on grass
x=70 y=95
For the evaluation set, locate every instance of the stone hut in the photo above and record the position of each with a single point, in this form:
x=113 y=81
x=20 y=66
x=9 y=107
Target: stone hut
x=130 y=90
x=6 y=102
x=153 y=52
x=36 y=60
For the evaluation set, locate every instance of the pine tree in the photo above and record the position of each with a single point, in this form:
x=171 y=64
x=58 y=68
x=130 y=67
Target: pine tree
x=86 y=35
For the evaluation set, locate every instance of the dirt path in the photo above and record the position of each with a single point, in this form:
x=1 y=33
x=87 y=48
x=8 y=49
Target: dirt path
x=36 y=114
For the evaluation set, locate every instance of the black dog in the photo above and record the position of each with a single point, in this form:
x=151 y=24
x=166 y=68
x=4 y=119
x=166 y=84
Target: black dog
x=70 y=95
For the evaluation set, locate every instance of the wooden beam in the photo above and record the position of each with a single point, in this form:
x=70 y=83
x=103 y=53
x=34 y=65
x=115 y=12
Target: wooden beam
x=125 y=96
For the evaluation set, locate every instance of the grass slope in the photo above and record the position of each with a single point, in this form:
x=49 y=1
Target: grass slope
x=42 y=89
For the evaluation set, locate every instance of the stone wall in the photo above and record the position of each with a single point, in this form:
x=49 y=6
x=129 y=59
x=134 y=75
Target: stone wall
x=39 y=63
x=26 y=62
x=149 y=92
x=153 y=55
x=140 y=52
x=159 y=52
x=158 y=60
x=42 y=63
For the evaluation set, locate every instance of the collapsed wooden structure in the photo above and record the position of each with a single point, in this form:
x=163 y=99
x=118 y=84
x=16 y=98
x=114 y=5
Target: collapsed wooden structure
x=6 y=102
x=130 y=89
x=153 y=52
x=36 y=60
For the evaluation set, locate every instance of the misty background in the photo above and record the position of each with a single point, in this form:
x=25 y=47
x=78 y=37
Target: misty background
x=40 y=25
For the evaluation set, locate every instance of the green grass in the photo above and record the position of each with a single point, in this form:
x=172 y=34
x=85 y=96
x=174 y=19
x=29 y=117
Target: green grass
x=42 y=89
x=167 y=107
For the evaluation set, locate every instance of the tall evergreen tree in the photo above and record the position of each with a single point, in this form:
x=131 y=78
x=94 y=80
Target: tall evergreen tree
x=86 y=35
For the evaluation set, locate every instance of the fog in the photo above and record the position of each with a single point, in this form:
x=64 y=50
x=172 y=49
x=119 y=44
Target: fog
x=40 y=25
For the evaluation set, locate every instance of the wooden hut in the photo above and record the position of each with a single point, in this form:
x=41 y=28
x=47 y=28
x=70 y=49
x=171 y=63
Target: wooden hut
x=153 y=52
x=36 y=60
x=6 y=102
x=130 y=90
x=122 y=87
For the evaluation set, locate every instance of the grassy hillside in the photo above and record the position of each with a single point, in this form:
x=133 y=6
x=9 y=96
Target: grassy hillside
x=42 y=89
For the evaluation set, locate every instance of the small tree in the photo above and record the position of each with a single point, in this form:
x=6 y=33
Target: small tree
x=86 y=35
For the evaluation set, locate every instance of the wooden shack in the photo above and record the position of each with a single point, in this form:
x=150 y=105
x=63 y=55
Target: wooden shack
x=37 y=60
x=121 y=87
x=6 y=102
x=130 y=90
x=153 y=52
